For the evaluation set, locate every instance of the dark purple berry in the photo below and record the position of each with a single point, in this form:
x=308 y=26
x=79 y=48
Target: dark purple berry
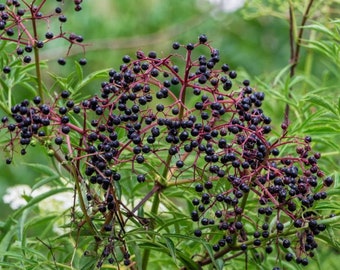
x=6 y=69
x=202 y=39
x=27 y=59
x=176 y=45
x=61 y=61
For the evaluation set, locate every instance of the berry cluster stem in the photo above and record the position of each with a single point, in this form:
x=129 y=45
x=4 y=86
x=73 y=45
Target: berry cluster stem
x=37 y=58
x=183 y=91
x=295 y=46
x=154 y=210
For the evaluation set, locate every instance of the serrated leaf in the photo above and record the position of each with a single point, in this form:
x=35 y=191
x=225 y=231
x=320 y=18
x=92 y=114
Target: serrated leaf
x=45 y=181
x=321 y=28
x=41 y=168
x=173 y=221
x=211 y=254
x=171 y=247
x=281 y=74
x=88 y=79
x=186 y=261
x=334 y=205
x=79 y=71
x=10 y=266
x=320 y=101
x=138 y=255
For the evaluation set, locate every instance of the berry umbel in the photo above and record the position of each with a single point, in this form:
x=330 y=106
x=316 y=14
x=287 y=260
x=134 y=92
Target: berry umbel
x=193 y=128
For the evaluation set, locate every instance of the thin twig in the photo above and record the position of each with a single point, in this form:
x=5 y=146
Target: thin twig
x=295 y=51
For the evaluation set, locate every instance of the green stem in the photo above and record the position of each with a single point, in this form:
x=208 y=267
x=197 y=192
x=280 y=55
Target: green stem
x=154 y=211
x=38 y=72
x=37 y=56
x=73 y=171
x=165 y=173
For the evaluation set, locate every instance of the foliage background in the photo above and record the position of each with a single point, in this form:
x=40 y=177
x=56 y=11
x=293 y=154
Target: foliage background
x=253 y=40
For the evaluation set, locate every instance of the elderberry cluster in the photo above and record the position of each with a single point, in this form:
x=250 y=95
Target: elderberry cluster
x=19 y=21
x=192 y=127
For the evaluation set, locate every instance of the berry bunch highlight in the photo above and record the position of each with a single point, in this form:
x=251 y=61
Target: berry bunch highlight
x=192 y=127
x=20 y=23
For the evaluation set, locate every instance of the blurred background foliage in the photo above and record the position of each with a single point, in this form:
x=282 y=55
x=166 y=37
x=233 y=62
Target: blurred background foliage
x=254 y=40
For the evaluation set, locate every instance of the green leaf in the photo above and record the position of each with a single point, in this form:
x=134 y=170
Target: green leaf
x=211 y=255
x=322 y=29
x=45 y=181
x=279 y=77
x=186 y=261
x=88 y=79
x=171 y=247
x=41 y=168
x=79 y=71
x=320 y=101
x=40 y=198
x=138 y=255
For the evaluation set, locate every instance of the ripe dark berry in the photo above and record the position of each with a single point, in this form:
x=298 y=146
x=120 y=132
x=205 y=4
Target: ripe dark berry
x=202 y=39
x=58 y=10
x=62 y=18
x=225 y=67
x=28 y=48
x=82 y=61
x=6 y=69
x=179 y=164
x=232 y=74
x=195 y=201
x=126 y=59
x=49 y=35
x=199 y=188
x=58 y=140
x=298 y=223
x=190 y=47
x=65 y=94
x=289 y=257
x=141 y=178
x=286 y=243
x=308 y=139
x=216 y=247
x=40 y=44
x=304 y=261
x=194 y=216
x=198 y=233
x=20 y=51
x=269 y=249
x=227 y=85
x=140 y=159
x=257 y=242
x=27 y=59
x=61 y=61
x=243 y=246
x=152 y=54
x=176 y=45
x=65 y=129
x=238 y=225
x=204 y=221
x=328 y=181
x=37 y=100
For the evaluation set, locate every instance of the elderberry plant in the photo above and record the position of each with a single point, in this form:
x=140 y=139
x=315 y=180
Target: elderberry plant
x=183 y=124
